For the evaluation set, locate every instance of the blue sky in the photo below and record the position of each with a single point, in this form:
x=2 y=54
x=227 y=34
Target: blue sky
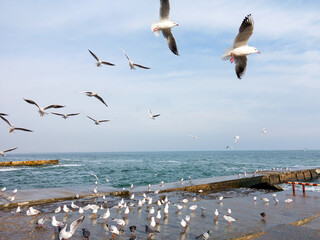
x=44 y=57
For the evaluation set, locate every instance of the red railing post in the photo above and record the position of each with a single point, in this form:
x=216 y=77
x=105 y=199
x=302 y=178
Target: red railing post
x=293 y=188
x=303 y=189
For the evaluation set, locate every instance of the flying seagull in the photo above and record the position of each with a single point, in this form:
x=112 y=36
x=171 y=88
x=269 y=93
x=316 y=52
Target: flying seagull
x=73 y=227
x=42 y=110
x=97 y=122
x=153 y=116
x=65 y=116
x=236 y=139
x=264 y=131
x=2 y=153
x=165 y=26
x=132 y=64
x=94 y=94
x=12 y=128
x=239 y=51
x=99 y=61
x=193 y=136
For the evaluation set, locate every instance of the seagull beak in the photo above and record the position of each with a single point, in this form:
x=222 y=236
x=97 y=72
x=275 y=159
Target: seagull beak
x=259 y=52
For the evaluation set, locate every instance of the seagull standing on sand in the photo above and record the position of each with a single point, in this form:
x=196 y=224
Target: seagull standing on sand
x=12 y=128
x=41 y=109
x=94 y=94
x=99 y=61
x=41 y=221
x=153 y=117
x=2 y=153
x=73 y=227
x=65 y=116
x=97 y=122
x=132 y=64
x=66 y=209
x=240 y=49
x=165 y=26
x=56 y=223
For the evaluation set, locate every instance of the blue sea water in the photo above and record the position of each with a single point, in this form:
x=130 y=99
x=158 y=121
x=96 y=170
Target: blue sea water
x=139 y=168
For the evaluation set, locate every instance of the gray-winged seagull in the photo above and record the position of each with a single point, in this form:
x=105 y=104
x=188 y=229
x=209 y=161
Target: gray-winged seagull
x=99 y=61
x=97 y=122
x=165 y=26
x=132 y=64
x=239 y=51
x=2 y=153
x=12 y=128
x=41 y=109
x=153 y=116
x=94 y=94
x=65 y=116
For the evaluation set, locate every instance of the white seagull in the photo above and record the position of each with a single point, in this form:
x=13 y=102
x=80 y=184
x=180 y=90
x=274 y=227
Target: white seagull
x=73 y=227
x=132 y=64
x=153 y=116
x=239 y=51
x=65 y=116
x=97 y=122
x=41 y=109
x=165 y=26
x=12 y=128
x=99 y=61
x=264 y=131
x=2 y=153
x=94 y=94
x=229 y=219
x=236 y=139
x=193 y=136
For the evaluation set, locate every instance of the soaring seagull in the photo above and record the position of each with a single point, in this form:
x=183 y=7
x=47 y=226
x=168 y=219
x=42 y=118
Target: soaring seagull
x=165 y=26
x=94 y=94
x=240 y=49
x=99 y=61
x=153 y=116
x=2 y=153
x=41 y=109
x=12 y=128
x=97 y=122
x=65 y=116
x=132 y=64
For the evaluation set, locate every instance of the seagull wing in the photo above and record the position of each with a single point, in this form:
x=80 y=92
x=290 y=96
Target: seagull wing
x=170 y=40
x=157 y=115
x=75 y=224
x=23 y=129
x=101 y=99
x=6 y=120
x=10 y=149
x=164 y=10
x=241 y=65
x=125 y=54
x=95 y=176
x=140 y=66
x=91 y=118
x=107 y=63
x=31 y=102
x=53 y=106
x=73 y=114
x=3 y=114
x=104 y=120
x=94 y=55
x=245 y=31
x=59 y=114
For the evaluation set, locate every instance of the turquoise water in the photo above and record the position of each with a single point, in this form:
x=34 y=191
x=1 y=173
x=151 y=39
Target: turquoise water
x=139 y=168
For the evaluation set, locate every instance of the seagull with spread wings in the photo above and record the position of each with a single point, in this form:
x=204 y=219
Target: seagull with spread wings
x=12 y=128
x=2 y=153
x=153 y=116
x=64 y=234
x=65 y=116
x=132 y=64
x=165 y=26
x=97 y=122
x=240 y=49
x=41 y=109
x=99 y=61
x=94 y=94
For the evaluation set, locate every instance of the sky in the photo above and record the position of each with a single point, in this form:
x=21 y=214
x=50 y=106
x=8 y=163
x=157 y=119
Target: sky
x=44 y=57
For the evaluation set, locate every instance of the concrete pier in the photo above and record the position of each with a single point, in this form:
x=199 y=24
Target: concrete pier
x=28 y=163
x=260 y=180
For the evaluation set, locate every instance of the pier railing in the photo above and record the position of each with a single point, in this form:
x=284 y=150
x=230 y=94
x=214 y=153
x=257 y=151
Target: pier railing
x=304 y=184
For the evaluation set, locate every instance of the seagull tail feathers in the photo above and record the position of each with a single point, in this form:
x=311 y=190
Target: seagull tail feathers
x=227 y=54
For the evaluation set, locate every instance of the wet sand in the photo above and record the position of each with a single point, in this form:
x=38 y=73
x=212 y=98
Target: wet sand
x=275 y=226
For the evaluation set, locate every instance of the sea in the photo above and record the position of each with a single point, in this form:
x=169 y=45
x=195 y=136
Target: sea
x=121 y=169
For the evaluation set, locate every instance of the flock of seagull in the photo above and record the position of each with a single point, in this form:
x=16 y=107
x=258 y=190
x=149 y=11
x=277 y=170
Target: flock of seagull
x=157 y=209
